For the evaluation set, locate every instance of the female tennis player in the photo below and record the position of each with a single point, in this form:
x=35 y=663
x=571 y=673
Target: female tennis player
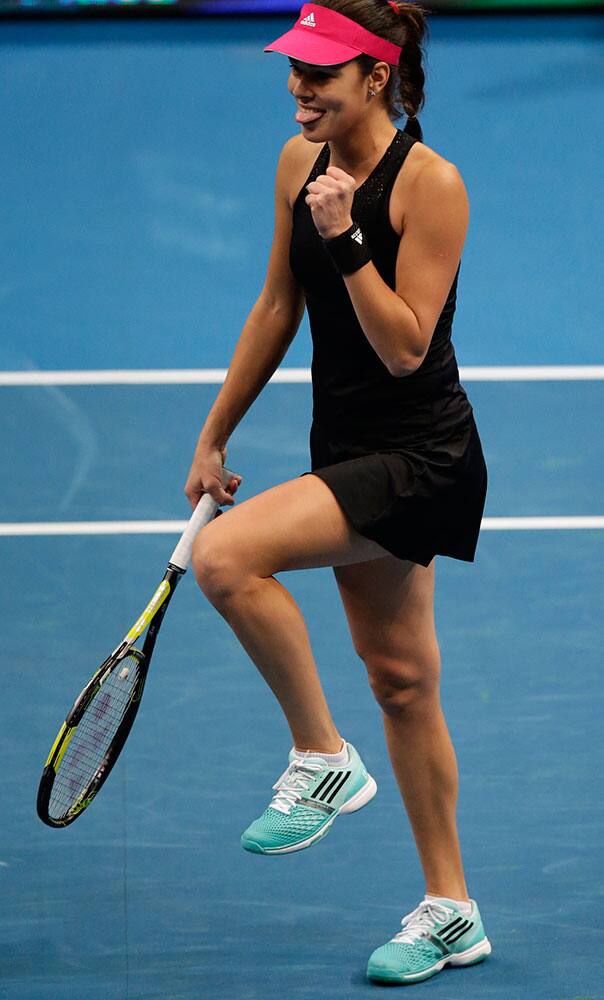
x=369 y=230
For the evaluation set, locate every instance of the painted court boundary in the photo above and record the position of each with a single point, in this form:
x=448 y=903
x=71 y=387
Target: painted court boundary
x=33 y=528
x=215 y=376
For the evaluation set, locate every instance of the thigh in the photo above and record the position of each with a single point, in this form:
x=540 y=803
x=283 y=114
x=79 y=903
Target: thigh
x=298 y=524
x=389 y=604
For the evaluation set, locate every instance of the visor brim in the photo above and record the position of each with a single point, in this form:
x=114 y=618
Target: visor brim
x=314 y=50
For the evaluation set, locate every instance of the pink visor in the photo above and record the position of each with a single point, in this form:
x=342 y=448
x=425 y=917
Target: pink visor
x=323 y=37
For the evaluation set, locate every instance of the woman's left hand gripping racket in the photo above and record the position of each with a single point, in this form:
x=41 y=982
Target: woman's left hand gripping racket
x=95 y=730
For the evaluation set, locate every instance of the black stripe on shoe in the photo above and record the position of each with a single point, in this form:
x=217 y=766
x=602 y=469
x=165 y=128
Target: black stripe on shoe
x=339 y=787
x=327 y=778
x=450 y=926
x=451 y=931
x=460 y=933
x=333 y=784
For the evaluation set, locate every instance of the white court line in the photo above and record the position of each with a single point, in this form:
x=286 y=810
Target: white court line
x=33 y=528
x=215 y=376
x=92 y=528
x=539 y=523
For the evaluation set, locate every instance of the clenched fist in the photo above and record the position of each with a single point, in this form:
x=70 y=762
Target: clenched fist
x=330 y=201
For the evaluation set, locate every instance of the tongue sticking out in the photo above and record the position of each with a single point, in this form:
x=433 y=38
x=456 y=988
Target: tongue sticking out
x=306 y=115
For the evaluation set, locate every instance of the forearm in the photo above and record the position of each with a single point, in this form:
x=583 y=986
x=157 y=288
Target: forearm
x=390 y=325
x=263 y=342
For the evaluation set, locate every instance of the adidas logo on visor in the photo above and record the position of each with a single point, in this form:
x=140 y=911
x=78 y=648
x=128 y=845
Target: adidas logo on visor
x=309 y=22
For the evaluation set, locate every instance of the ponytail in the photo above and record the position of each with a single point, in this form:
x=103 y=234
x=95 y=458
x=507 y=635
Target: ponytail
x=411 y=76
x=414 y=128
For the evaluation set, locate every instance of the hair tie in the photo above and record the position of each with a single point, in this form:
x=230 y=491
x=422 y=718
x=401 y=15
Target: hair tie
x=395 y=7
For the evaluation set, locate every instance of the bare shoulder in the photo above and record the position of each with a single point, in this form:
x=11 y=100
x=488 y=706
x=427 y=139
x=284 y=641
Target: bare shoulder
x=295 y=164
x=426 y=176
x=440 y=173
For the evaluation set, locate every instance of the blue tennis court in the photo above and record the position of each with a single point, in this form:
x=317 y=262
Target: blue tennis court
x=137 y=214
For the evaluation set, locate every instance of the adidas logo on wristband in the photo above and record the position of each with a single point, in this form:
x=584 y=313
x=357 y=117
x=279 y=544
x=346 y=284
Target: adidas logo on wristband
x=346 y=257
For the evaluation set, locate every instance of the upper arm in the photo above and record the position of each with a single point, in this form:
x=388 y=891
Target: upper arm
x=436 y=223
x=281 y=292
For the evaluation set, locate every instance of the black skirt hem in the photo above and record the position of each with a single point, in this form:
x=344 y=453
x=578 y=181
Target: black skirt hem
x=413 y=504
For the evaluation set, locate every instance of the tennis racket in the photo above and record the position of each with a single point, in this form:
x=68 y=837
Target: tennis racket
x=97 y=726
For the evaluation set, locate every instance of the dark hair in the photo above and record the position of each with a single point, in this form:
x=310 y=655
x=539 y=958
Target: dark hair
x=406 y=26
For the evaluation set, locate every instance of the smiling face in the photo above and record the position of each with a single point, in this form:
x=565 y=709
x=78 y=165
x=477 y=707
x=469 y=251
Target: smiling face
x=332 y=100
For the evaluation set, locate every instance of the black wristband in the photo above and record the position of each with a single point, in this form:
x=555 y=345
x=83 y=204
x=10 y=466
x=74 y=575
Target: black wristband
x=350 y=250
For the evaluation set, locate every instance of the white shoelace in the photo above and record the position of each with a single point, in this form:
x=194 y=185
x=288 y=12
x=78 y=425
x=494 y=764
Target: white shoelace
x=294 y=780
x=423 y=918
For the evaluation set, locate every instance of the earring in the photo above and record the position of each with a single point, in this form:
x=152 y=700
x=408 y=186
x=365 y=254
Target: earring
x=372 y=93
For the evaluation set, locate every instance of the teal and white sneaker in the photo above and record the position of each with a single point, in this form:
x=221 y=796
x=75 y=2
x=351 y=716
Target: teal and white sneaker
x=435 y=934
x=310 y=794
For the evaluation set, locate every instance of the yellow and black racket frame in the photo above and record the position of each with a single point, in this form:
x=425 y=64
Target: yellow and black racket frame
x=69 y=727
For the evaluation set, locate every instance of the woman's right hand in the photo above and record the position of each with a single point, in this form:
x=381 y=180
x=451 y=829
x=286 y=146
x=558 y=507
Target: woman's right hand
x=205 y=476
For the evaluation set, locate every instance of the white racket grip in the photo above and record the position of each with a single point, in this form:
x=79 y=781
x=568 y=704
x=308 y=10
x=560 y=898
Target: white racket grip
x=202 y=515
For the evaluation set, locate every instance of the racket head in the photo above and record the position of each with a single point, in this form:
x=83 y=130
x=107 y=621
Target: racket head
x=91 y=738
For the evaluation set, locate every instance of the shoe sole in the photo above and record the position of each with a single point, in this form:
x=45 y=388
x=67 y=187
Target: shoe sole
x=477 y=953
x=356 y=801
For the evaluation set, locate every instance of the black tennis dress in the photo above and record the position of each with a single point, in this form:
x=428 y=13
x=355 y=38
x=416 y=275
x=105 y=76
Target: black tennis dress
x=402 y=455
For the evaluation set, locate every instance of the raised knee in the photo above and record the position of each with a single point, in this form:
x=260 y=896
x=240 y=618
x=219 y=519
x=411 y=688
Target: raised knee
x=215 y=566
x=401 y=685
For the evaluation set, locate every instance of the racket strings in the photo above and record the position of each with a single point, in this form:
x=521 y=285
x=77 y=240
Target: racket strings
x=93 y=737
